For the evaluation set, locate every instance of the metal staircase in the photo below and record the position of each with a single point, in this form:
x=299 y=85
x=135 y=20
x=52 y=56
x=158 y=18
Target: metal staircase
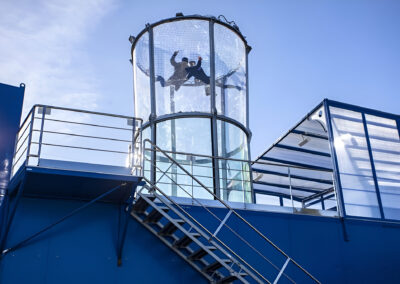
x=196 y=244
x=161 y=216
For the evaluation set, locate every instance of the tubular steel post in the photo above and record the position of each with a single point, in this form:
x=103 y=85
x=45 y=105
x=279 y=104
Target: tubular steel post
x=153 y=114
x=290 y=188
x=336 y=171
x=41 y=134
x=371 y=160
x=28 y=151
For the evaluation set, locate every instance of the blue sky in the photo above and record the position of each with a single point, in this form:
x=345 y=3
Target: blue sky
x=75 y=53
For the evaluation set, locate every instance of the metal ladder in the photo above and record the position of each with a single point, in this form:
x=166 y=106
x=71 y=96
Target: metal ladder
x=161 y=216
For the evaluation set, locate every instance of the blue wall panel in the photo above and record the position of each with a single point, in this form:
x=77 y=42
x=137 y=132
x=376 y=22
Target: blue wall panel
x=82 y=250
x=11 y=99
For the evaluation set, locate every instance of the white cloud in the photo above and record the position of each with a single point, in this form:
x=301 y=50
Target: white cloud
x=42 y=45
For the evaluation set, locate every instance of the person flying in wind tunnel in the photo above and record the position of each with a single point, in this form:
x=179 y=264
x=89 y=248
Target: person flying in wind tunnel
x=179 y=77
x=198 y=73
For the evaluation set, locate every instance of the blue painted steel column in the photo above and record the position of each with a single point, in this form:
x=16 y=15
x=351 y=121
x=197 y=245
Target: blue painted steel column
x=371 y=159
x=336 y=172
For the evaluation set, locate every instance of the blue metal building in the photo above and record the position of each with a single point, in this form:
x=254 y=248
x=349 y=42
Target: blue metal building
x=172 y=196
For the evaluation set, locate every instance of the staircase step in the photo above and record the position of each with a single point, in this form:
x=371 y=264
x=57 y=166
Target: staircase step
x=170 y=228
x=185 y=240
x=215 y=266
x=155 y=216
x=141 y=204
x=231 y=278
x=200 y=253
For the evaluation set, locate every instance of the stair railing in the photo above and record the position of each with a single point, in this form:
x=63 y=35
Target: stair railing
x=223 y=222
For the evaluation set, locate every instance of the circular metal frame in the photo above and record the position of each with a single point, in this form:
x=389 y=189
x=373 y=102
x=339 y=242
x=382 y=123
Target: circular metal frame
x=190 y=17
x=200 y=115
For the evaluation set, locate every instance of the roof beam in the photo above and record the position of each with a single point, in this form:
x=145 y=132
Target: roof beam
x=307 y=151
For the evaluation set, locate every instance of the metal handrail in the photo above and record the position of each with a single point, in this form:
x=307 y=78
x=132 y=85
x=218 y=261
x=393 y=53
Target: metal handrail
x=23 y=149
x=204 y=228
x=213 y=236
x=233 y=211
x=87 y=111
x=241 y=160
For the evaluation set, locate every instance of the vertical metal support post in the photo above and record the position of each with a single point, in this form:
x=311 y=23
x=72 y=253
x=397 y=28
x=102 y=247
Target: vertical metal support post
x=290 y=188
x=174 y=189
x=224 y=163
x=41 y=133
x=192 y=158
x=214 y=132
x=336 y=173
x=253 y=195
x=28 y=150
x=247 y=87
x=371 y=159
x=153 y=114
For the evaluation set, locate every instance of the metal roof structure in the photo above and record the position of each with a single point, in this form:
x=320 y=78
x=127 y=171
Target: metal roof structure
x=338 y=157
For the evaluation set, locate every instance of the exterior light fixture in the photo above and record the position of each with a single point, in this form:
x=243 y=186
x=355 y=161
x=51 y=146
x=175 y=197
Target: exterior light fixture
x=303 y=141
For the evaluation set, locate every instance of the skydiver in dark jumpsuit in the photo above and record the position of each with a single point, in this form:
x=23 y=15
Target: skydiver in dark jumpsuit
x=198 y=73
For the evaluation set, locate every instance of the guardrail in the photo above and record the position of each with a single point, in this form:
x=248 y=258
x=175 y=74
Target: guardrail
x=64 y=138
x=302 y=189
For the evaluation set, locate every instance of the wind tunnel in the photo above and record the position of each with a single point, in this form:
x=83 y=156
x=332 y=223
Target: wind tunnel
x=191 y=89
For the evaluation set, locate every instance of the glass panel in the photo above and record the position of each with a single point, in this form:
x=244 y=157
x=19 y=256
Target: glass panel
x=267 y=199
x=230 y=74
x=182 y=78
x=186 y=135
x=141 y=79
x=234 y=175
x=354 y=164
x=385 y=146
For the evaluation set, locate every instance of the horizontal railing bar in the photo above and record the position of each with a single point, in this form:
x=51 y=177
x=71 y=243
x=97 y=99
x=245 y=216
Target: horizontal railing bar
x=82 y=148
x=85 y=136
x=89 y=124
x=294 y=176
x=244 y=161
x=197 y=166
x=198 y=186
x=88 y=111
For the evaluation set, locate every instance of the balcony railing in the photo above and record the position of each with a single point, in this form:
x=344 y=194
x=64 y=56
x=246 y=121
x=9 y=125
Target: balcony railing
x=71 y=139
